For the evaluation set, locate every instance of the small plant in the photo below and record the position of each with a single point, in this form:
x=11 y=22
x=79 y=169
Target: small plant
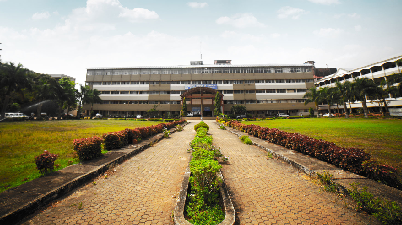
x=166 y=132
x=45 y=162
x=385 y=211
x=201 y=124
x=246 y=140
x=269 y=154
x=222 y=127
x=179 y=128
x=326 y=180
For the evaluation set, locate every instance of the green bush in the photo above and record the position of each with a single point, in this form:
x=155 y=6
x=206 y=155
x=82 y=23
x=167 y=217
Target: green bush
x=246 y=140
x=201 y=124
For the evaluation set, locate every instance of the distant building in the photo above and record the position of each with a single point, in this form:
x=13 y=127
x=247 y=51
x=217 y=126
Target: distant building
x=265 y=89
x=59 y=76
x=376 y=71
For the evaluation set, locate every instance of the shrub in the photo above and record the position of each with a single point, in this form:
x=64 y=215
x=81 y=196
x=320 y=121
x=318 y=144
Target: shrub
x=88 y=148
x=201 y=124
x=45 y=161
x=222 y=127
x=166 y=133
x=179 y=128
x=246 y=140
x=112 y=140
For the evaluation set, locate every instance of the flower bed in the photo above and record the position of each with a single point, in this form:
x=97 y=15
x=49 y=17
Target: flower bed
x=351 y=159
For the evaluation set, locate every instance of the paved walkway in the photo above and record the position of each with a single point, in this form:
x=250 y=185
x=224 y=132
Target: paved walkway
x=142 y=190
x=267 y=191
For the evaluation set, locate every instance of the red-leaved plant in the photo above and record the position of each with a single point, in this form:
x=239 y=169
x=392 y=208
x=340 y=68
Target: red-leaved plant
x=45 y=162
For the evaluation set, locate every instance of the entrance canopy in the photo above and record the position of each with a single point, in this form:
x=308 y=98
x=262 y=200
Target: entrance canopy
x=201 y=100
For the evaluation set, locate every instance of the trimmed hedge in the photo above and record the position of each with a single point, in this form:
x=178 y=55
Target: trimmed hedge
x=89 y=148
x=201 y=124
x=351 y=159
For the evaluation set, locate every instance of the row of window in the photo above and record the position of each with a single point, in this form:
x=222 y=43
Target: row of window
x=258 y=91
x=224 y=102
x=207 y=82
x=143 y=102
x=237 y=102
x=202 y=70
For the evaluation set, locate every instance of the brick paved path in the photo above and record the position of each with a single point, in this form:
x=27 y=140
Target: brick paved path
x=267 y=191
x=140 y=191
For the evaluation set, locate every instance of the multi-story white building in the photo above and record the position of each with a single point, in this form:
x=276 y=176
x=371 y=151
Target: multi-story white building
x=376 y=71
x=265 y=89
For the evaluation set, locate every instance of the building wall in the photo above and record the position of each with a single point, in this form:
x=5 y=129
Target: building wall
x=128 y=91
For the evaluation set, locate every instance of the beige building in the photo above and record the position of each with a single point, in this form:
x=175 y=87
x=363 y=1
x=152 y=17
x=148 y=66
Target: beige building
x=265 y=89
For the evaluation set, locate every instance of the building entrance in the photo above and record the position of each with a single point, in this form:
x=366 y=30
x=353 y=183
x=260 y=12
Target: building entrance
x=200 y=101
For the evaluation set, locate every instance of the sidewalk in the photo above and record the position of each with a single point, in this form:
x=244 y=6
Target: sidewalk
x=267 y=191
x=142 y=190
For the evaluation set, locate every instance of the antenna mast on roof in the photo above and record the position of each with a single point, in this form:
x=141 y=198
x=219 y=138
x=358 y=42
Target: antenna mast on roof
x=200 y=50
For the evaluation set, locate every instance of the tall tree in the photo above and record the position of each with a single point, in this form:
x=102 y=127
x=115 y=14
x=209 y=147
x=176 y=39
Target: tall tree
x=92 y=96
x=12 y=79
x=238 y=110
x=345 y=93
x=184 y=107
x=217 y=104
x=313 y=95
x=363 y=88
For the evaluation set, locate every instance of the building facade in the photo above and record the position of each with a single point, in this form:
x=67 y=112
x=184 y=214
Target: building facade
x=265 y=89
x=376 y=71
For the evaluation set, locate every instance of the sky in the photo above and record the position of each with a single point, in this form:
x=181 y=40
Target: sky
x=67 y=37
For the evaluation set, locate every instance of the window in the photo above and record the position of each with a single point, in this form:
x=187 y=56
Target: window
x=301 y=90
x=291 y=91
x=197 y=82
x=124 y=92
x=238 y=92
x=116 y=83
x=249 y=91
x=280 y=81
x=125 y=82
x=134 y=92
x=165 y=71
x=175 y=92
x=165 y=102
x=281 y=91
x=145 y=71
x=268 y=70
x=153 y=102
x=164 y=82
x=136 y=71
x=114 y=102
x=175 y=71
x=123 y=102
x=207 y=81
x=142 y=102
x=270 y=91
x=144 y=82
x=144 y=93
x=228 y=91
x=249 y=81
x=286 y=70
x=154 y=71
x=135 y=82
x=96 y=83
x=278 y=70
x=184 y=71
x=238 y=82
x=133 y=102
x=251 y=101
x=153 y=92
x=259 y=81
x=107 y=83
x=174 y=82
x=269 y=81
x=259 y=91
x=105 y=92
x=115 y=92
x=217 y=82
x=186 y=82
x=164 y=92
x=105 y=102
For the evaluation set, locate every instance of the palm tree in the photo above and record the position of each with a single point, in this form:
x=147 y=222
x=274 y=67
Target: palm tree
x=313 y=95
x=345 y=93
x=91 y=96
x=12 y=79
x=363 y=88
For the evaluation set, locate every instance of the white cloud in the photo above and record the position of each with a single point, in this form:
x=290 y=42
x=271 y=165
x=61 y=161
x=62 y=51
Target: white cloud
x=337 y=16
x=354 y=15
x=39 y=16
x=197 y=4
x=325 y=2
x=228 y=34
x=358 y=28
x=275 y=35
x=137 y=14
x=288 y=11
x=242 y=20
x=328 y=32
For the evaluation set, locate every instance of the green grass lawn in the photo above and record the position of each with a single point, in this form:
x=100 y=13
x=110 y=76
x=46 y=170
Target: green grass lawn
x=382 y=138
x=22 y=141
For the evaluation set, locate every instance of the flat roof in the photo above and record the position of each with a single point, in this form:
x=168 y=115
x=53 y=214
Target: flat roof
x=202 y=66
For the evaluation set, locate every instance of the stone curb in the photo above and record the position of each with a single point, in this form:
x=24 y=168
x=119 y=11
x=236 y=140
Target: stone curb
x=181 y=201
x=31 y=207
x=311 y=166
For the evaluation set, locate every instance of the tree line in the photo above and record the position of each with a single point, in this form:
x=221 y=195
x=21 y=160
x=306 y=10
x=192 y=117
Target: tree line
x=361 y=89
x=21 y=87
